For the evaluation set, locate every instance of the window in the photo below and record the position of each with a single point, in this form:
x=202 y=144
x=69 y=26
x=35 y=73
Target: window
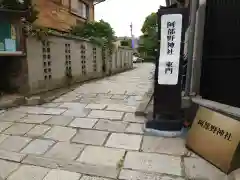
x=80 y=9
x=83 y=10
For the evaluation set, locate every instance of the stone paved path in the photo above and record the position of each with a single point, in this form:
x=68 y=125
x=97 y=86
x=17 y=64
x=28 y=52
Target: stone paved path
x=91 y=133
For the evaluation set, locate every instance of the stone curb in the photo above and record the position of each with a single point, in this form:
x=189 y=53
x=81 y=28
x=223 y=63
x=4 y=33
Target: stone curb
x=12 y=102
x=141 y=109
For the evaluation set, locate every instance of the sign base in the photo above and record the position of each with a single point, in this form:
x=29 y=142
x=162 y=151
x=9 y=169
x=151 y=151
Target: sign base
x=165 y=123
x=172 y=134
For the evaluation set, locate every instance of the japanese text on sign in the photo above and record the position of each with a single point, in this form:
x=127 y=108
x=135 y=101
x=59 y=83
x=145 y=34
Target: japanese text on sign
x=170 y=37
x=170 y=45
x=170 y=49
x=215 y=130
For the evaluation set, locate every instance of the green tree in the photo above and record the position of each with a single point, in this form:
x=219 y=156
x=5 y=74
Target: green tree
x=101 y=32
x=149 y=40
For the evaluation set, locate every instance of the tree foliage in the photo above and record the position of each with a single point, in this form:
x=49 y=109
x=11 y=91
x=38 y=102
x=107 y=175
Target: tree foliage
x=100 y=32
x=149 y=40
x=150 y=24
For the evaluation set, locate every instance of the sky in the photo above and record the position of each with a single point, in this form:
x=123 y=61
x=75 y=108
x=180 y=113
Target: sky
x=120 y=13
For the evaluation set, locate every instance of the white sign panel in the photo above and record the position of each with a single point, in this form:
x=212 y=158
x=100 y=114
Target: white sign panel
x=169 y=60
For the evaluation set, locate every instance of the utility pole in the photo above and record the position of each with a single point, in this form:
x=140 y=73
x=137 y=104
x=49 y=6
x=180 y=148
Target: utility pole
x=131 y=29
x=132 y=39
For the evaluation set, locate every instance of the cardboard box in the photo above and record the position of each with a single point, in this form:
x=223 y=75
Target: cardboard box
x=216 y=138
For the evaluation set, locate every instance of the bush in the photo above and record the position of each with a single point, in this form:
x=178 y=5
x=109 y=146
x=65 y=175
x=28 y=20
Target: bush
x=99 y=32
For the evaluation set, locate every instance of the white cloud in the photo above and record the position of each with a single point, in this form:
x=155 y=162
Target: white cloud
x=120 y=14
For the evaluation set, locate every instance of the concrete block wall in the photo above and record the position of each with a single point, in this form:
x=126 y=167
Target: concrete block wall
x=48 y=62
x=126 y=56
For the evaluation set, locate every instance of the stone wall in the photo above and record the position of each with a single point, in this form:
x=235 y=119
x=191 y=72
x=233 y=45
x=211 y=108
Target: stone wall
x=49 y=61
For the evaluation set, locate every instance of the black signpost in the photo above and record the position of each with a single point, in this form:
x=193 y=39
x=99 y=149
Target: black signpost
x=167 y=91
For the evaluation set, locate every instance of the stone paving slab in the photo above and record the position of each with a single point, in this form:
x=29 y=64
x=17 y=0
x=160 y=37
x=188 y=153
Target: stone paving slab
x=135 y=128
x=27 y=172
x=138 y=175
x=136 y=98
x=38 y=146
x=124 y=141
x=73 y=166
x=59 y=120
x=108 y=157
x=113 y=115
x=11 y=156
x=130 y=117
x=6 y=168
x=111 y=126
x=14 y=143
x=92 y=90
x=77 y=112
x=104 y=96
x=59 y=133
x=197 y=168
x=121 y=108
x=65 y=99
x=31 y=109
x=35 y=119
x=172 y=146
x=109 y=101
x=3 y=137
x=119 y=96
x=236 y=174
x=96 y=106
x=54 y=111
x=57 y=174
x=11 y=116
x=91 y=137
x=5 y=125
x=93 y=178
x=38 y=130
x=50 y=105
x=65 y=150
x=71 y=105
x=45 y=161
x=117 y=91
x=153 y=163
x=90 y=95
x=19 y=129
x=84 y=123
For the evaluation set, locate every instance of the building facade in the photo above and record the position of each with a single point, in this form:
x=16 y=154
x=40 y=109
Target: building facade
x=63 y=14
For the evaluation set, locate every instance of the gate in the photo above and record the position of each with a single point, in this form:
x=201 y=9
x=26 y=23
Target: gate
x=220 y=80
